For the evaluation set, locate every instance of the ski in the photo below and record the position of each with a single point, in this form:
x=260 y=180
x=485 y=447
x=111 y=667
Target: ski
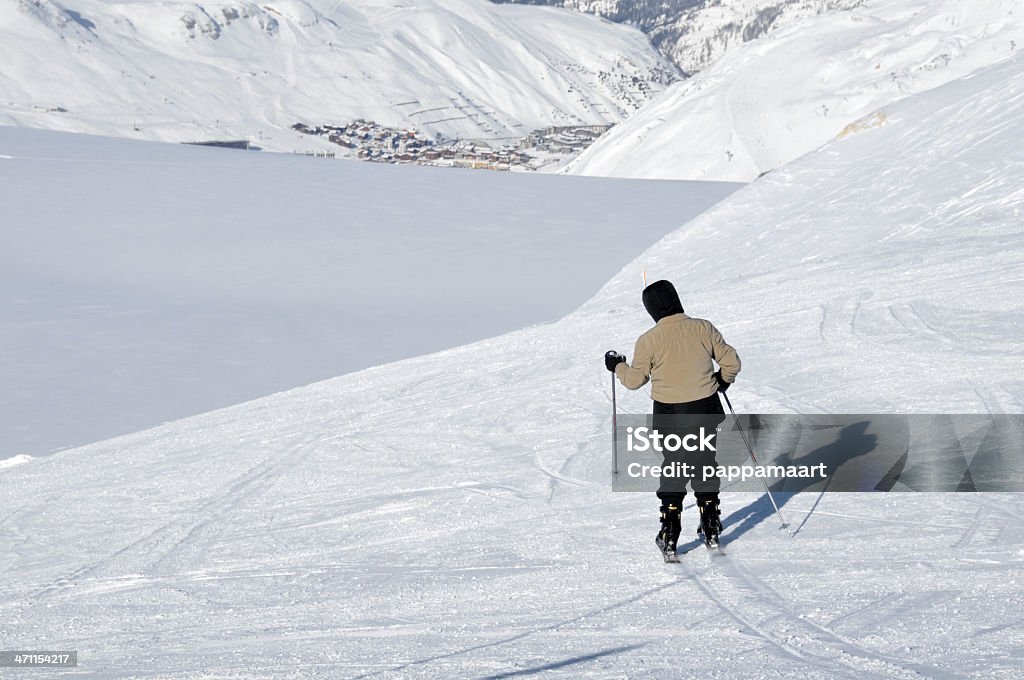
x=669 y=556
x=714 y=546
x=711 y=538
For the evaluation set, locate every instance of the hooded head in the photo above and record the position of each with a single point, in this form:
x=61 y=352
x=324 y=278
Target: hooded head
x=661 y=300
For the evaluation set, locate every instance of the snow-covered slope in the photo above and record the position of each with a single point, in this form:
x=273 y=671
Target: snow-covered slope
x=703 y=34
x=449 y=515
x=696 y=33
x=146 y=282
x=181 y=71
x=771 y=100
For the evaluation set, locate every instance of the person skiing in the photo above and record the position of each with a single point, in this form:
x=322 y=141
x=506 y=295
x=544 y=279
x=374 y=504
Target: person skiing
x=677 y=356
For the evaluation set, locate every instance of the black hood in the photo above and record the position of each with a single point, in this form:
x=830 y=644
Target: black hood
x=661 y=300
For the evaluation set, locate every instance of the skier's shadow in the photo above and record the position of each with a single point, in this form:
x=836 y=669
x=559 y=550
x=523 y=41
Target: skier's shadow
x=853 y=441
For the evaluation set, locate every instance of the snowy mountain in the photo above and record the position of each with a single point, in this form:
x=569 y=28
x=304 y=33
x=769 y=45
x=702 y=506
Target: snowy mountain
x=696 y=33
x=450 y=515
x=772 y=100
x=181 y=71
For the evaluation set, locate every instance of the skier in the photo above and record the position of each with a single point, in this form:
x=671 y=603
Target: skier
x=677 y=356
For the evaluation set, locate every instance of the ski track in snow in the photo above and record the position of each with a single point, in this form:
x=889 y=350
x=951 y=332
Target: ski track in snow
x=160 y=550
x=791 y=632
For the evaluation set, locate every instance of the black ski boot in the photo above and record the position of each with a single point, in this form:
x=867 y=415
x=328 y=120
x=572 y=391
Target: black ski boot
x=670 y=529
x=710 y=521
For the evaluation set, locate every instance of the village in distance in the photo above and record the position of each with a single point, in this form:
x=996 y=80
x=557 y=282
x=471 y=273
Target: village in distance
x=370 y=141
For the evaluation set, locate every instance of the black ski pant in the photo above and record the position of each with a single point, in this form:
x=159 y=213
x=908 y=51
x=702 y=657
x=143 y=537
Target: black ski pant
x=689 y=418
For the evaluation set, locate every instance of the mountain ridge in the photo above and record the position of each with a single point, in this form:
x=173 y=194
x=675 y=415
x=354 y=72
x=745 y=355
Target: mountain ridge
x=694 y=34
x=769 y=101
x=181 y=71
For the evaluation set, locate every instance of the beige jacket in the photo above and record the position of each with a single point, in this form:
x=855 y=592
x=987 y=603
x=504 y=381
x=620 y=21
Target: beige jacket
x=676 y=357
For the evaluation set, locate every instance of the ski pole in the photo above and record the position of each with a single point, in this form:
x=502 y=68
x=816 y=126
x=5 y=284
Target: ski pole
x=750 y=450
x=615 y=439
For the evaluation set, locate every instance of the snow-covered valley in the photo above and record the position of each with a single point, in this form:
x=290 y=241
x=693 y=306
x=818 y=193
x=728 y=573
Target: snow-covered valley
x=694 y=34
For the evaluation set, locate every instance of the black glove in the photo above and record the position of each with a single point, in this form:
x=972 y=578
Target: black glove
x=722 y=385
x=613 y=359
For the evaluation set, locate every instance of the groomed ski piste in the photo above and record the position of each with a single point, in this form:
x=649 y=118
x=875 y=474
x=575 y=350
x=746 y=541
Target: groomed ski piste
x=450 y=515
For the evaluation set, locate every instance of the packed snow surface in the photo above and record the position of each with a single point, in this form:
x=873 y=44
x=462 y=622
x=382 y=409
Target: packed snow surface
x=185 y=71
x=147 y=282
x=450 y=515
x=771 y=100
x=15 y=460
